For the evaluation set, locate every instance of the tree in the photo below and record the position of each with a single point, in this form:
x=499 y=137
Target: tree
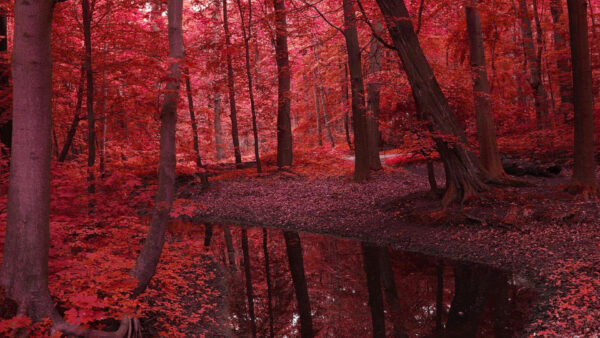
x=145 y=265
x=5 y=120
x=231 y=87
x=359 y=116
x=562 y=60
x=464 y=174
x=284 y=126
x=488 y=149
x=296 y=261
x=188 y=89
x=534 y=61
x=584 y=169
x=87 y=34
x=373 y=100
x=76 y=118
x=372 y=269
x=247 y=35
x=24 y=271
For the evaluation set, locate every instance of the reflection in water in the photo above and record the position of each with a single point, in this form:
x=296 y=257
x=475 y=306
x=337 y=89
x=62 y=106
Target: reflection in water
x=310 y=285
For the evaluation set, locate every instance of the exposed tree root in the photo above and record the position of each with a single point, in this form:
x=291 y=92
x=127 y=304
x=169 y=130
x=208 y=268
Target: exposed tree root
x=586 y=191
x=129 y=328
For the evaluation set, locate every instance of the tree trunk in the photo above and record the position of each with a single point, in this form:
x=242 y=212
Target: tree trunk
x=87 y=34
x=534 y=62
x=231 y=87
x=345 y=95
x=371 y=266
x=246 y=35
x=230 y=249
x=488 y=149
x=359 y=116
x=284 y=126
x=248 y=277
x=326 y=117
x=584 y=168
x=318 y=117
x=24 y=271
x=465 y=176
x=145 y=265
x=296 y=261
x=218 y=128
x=373 y=100
x=73 y=128
x=268 y=279
x=203 y=174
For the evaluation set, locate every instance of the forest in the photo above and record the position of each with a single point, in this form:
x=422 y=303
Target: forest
x=299 y=168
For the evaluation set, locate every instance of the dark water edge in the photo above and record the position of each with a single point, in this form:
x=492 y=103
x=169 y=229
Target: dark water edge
x=302 y=284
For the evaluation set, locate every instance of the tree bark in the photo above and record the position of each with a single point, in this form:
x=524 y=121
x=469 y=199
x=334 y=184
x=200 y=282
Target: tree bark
x=203 y=174
x=486 y=131
x=284 y=126
x=296 y=261
x=218 y=128
x=534 y=62
x=584 y=168
x=465 y=176
x=345 y=96
x=231 y=87
x=246 y=35
x=5 y=119
x=145 y=265
x=371 y=266
x=73 y=128
x=248 y=277
x=318 y=117
x=87 y=35
x=24 y=271
x=230 y=249
x=359 y=116
x=373 y=100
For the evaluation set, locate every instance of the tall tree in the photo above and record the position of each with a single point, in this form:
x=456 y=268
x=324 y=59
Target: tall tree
x=247 y=35
x=562 y=60
x=534 y=62
x=203 y=173
x=76 y=118
x=284 y=126
x=248 y=278
x=372 y=269
x=24 y=271
x=584 y=170
x=464 y=174
x=486 y=132
x=145 y=265
x=373 y=100
x=359 y=116
x=231 y=87
x=87 y=38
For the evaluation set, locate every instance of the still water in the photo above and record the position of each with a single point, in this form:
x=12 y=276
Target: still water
x=288 y=284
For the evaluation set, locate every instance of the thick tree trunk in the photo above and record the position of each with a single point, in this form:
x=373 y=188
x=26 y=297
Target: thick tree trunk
x=248 y=278
x=371 y=266
x=345 y=97
x=268 y=279
x=24 y=271
x=203 y=174
x=486 y=132
x=231 y=87
x=359 y=116
x=73 y=128
x=562 y=60
x=87 y=38
x=373 y=100
x=284 y=126
x=145 y=265
x=584 y=168
x=296 y=261
x=534 y=63
x=246 y=35
x=465 y=176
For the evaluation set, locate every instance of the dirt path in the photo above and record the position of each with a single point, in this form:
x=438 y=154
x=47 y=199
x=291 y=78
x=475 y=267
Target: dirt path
x=539 y=233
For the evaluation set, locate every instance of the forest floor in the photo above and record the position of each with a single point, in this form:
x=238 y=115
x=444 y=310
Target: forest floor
x=540 y=233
